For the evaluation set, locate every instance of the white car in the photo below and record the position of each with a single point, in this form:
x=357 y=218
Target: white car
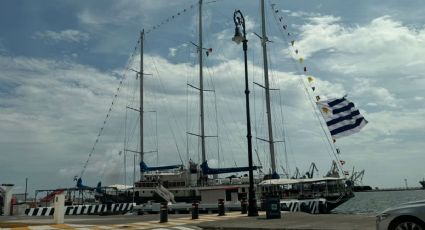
x=408 y=216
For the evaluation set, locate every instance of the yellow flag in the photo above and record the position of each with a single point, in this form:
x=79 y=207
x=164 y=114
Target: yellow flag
x=310 y=79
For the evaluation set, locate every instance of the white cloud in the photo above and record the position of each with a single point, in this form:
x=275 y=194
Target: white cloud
x=172 y=52
x=377 y=95
x=382 y=46
x=64 y=35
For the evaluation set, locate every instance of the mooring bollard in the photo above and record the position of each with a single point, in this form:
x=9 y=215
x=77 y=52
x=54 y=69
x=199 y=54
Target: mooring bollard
x=244 y=206
x=59 y=214
x=221 y=207
x=163 y=213
x=195 y=210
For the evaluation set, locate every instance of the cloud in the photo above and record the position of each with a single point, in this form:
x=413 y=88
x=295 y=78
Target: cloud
x=172 y=52
x=381 y=46
x=64 y=35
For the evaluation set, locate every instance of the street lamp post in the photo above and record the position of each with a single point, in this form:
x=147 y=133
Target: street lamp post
x=238 y=38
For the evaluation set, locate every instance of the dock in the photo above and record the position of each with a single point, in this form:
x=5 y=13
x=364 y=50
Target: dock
x=231 y=221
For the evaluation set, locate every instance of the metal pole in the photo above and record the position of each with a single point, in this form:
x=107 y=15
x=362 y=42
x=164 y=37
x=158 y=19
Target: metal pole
x=134 y=174
x=252 y=201
x=267 y=88
x=201 y=84
x=252 y=208
x=26 y=186
x=141 y=98
x=125 y=169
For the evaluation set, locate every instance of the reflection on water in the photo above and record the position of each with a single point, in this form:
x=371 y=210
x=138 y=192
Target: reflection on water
x=375 y=202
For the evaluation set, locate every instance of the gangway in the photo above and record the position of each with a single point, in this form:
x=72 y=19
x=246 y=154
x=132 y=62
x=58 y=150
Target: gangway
x=165 y=194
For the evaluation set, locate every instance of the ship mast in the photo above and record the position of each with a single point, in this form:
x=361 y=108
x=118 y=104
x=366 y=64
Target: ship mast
x=267 y=89
x=201 y=84
x=142 y=34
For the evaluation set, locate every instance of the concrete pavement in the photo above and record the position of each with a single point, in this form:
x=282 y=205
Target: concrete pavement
x=298 y=220
x=232 y=221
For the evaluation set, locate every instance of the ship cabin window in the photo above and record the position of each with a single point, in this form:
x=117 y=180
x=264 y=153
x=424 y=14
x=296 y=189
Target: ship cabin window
x=175 y=184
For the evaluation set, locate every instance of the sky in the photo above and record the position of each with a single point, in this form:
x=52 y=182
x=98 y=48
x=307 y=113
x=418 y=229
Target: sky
x=63 y=62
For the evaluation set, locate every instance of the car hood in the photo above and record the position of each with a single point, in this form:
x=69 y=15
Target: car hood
x=416 y=205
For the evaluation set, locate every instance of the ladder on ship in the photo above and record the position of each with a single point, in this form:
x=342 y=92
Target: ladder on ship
x=165 y=194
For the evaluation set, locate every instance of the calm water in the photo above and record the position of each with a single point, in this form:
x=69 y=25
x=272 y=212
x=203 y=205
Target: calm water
x=374 y=202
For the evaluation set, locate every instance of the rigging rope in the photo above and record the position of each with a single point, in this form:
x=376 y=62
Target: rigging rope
x=169 y=124
x=283 y=28
x=124 y=77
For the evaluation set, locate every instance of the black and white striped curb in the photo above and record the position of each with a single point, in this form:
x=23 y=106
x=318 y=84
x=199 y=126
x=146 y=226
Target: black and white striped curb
x=82 y=209
x=310 y=206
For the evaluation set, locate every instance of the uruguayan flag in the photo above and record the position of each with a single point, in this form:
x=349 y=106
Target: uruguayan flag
x=341 y=116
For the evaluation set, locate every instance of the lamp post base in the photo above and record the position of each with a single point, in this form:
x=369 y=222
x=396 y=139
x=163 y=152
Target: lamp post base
x=252 y=208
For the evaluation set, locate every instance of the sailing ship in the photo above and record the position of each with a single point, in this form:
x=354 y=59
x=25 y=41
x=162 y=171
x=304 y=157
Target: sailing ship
x=342 y=119
x=197 y=182
x=175 y=183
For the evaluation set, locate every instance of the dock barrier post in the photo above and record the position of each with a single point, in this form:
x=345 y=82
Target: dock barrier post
x=163 y=213
x=221 y=207
x=59 y=214
x=195 y=210
x=244 y=206
x=6 y=190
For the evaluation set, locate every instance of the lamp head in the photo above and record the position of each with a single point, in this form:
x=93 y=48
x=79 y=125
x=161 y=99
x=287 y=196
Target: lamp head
x=238 y=38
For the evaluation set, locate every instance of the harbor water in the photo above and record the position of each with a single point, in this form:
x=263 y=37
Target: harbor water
x=377 y=201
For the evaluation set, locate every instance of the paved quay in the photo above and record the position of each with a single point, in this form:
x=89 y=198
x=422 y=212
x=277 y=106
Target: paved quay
x=232 y=221
x=149 y=221
x=296 y=221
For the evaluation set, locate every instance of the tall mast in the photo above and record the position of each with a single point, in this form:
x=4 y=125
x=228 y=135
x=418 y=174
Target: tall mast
x=266 y=82
x=201 y=84
x=142 y=35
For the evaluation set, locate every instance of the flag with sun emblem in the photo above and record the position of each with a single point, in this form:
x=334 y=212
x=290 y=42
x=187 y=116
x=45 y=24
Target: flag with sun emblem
x=341 y=116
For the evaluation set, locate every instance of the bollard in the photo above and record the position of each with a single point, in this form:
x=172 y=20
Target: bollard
x=195 y=210
x=6 y=189
x=59 y=214
x=244 y=206
x=163 y=213
x=221 y=207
